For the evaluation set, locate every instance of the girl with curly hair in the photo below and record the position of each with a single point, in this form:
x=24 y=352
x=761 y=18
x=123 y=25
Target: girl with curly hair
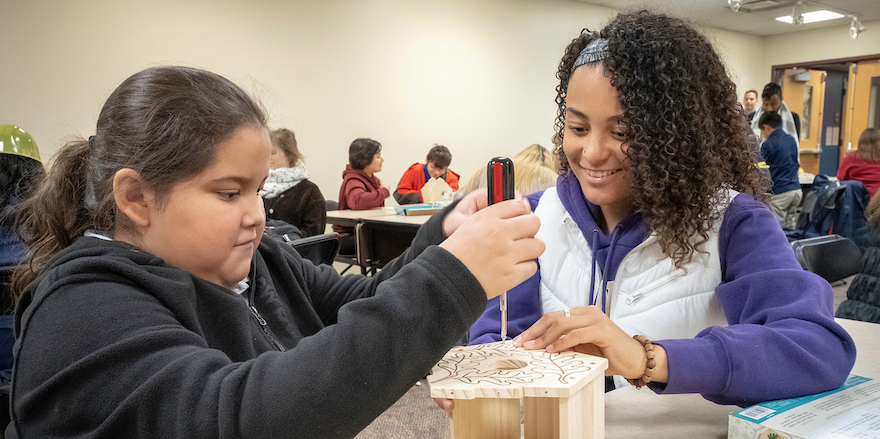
x=656 y=229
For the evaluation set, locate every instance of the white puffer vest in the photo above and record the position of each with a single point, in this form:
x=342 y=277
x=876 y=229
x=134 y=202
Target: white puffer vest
x=649 y=295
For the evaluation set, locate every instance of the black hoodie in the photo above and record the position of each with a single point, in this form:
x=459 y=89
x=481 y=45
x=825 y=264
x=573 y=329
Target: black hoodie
x=115 y=343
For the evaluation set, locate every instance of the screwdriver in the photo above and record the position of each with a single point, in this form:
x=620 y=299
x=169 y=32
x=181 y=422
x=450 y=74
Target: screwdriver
x=499 y=174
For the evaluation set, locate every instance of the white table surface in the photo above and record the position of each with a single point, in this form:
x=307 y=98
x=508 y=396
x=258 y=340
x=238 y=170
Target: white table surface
x=359 y=214
x=631 y=413
x=383 y=214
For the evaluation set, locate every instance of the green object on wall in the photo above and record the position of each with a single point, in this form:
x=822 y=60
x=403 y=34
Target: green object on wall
x=14 y=140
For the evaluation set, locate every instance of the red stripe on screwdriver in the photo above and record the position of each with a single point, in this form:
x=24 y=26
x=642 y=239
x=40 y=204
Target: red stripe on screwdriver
x=499 y=185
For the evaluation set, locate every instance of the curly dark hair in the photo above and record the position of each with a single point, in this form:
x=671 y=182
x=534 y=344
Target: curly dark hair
x=684 y=131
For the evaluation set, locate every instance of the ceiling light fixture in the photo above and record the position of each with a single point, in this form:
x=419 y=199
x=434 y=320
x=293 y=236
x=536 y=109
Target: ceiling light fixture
x=799 y=14
x=810 y=17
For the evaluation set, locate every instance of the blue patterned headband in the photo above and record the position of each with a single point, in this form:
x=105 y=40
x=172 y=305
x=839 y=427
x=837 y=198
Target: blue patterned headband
x=596 y=51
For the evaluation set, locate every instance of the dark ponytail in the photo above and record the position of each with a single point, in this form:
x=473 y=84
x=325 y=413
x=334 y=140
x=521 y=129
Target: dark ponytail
x=164 y=123
x=54 y=214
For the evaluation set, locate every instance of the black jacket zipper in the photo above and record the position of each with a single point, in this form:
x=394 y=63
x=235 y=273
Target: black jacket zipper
x=266 y=330
x=260 y=319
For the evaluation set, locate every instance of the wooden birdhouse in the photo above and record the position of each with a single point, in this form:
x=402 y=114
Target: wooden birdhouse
x=562 y=394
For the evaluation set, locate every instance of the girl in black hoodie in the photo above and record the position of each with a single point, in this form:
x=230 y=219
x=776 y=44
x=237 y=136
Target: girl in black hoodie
x=151 y=305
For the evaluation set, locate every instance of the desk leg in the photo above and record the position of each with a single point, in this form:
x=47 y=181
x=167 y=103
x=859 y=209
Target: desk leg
x=580 y=416
x=486 y=418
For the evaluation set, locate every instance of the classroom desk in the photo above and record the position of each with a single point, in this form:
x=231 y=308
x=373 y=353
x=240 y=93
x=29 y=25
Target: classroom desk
x=352 y=217
x=384 y=235
x=631 y=413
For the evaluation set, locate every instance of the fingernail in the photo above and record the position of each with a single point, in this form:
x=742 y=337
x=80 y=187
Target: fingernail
x=529 y=344
x=517 y=341
x=447 y=405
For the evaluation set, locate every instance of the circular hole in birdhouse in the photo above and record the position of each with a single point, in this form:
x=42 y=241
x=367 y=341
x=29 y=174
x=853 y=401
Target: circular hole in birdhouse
x=509 y=364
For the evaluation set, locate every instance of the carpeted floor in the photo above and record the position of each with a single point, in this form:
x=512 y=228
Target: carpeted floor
x=413 y=416
x=840 y=291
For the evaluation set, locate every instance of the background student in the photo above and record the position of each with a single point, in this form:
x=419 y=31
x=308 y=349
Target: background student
x=780 y=153
x=771 y=100
x=653 y=230
x=863 y=295
x=863 y=164
x=409 y=190
x=288 y=194
x=20 y=171
x=361 y=189
x=750 y=99
x=152 y=305
x=534 y=169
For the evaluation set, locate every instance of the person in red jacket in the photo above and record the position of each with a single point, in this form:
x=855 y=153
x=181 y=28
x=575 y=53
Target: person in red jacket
x=361 y=189
x=863 y=164
x=409 y=190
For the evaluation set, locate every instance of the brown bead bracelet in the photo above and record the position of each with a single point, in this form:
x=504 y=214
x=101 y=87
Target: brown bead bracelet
x=649 y=365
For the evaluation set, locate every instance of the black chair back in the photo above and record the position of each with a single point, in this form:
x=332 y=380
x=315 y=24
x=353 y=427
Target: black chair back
x=320 y=249
x=832 y=256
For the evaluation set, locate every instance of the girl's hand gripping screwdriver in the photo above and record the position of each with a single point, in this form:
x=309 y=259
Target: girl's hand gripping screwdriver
x=500 y=175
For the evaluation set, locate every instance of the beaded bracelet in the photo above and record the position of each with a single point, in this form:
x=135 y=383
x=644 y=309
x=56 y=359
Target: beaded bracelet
x=649 y=365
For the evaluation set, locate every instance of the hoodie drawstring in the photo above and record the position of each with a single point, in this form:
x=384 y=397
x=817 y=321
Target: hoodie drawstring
x=595 y=243
x=608 y=261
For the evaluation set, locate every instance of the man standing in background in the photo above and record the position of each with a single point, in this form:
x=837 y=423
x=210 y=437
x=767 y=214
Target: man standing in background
x=771 y=100
x=750 y=99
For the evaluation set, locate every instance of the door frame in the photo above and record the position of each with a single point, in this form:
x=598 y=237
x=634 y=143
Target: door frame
x=778 y=70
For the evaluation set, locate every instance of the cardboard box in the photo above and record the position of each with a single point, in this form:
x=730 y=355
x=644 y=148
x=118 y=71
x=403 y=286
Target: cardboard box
x=850 y=412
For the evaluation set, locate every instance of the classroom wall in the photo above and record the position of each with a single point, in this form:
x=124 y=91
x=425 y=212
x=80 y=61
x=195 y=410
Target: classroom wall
x=820 y=44
x=477 y=76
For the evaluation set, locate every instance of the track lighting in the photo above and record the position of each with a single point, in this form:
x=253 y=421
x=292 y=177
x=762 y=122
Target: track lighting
x=797 y=13
x=735 y=4
x=855 y=28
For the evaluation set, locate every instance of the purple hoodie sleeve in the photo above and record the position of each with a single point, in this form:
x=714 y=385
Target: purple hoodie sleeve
x=781 y=341
x=533 y=199
x=523 y=310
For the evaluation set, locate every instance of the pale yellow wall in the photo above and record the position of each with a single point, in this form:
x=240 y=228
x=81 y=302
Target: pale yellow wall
x=820 y=44
x=743 y=55
x=477 y=76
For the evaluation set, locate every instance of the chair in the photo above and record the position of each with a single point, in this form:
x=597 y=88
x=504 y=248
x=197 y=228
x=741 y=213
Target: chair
x=361 y=257
x=833 y=257
x=320 y=249
x=833 y=207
